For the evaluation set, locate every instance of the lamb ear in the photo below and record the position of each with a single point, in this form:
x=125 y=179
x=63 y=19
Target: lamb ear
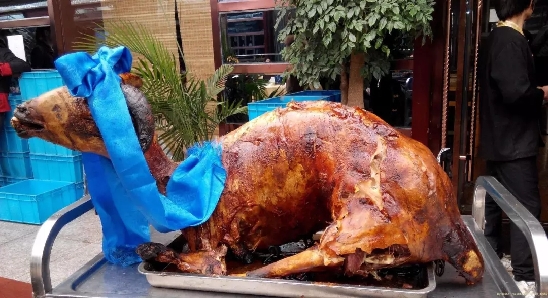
x=131 y=79
x=141 y=115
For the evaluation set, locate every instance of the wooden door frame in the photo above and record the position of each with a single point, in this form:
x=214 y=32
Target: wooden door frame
x=428 y=82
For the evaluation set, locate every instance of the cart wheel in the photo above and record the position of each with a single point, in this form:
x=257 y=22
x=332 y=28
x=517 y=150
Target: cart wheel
x=274 y=250
x=440 y=267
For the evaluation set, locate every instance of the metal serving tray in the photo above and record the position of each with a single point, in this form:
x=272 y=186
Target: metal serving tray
x=278 y=287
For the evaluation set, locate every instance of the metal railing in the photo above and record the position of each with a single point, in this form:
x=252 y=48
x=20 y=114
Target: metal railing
x=41 y=250
x=526 y=222
x=522 y=218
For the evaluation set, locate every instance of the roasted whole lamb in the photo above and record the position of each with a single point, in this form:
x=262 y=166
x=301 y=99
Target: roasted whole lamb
x=380 y=197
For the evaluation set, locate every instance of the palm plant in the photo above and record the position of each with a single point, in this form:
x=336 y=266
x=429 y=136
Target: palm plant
x=187 y=110
x=246 y=88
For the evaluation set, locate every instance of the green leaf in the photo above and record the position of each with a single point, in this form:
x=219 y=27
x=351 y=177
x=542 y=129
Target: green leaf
x=329 y=2
x=311 y=13
x=337 y=16
x=386 y=50
x=349 y=14
x=382 y=23
x=413 y=12
x=396 y=10
x=352 y=37
x=372 y=20
x=324 y=5
x=378 y=43
x=326 y=40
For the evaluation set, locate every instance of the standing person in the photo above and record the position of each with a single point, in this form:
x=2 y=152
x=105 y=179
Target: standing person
x=510 y=106
x=42 y=55
x=10 y=65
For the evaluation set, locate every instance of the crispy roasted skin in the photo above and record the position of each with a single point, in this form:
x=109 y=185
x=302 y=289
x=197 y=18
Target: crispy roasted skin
x=316 y=164
x=380 y=197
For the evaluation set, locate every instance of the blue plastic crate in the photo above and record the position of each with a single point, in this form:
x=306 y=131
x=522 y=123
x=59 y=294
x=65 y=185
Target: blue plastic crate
x=10 y=142
x=12 y=180
x=77 y=192
x=334 y=95
x=39 y=146
x=34 y=201
x=256 y=109
x=16 y=164
x=35 y=83
x=57 y=168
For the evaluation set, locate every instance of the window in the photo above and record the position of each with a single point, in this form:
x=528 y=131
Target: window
x=250 y=37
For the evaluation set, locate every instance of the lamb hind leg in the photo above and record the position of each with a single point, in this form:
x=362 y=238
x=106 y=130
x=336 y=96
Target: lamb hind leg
x=306 y=261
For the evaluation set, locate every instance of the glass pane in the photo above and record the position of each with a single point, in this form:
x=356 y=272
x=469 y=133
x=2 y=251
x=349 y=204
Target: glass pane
x=250 y=37
x=37 y=45
x=37 y=48
x=390 y=98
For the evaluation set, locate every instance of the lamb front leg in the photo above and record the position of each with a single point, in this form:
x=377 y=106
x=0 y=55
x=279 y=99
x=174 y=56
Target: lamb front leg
x=209 y=262
x=306 y=261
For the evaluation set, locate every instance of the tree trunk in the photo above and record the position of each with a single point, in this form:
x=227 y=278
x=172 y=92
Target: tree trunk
x=355 y=84
x=344 y=85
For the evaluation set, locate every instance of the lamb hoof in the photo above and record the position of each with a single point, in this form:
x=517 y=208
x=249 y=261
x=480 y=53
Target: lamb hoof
x=150 y=250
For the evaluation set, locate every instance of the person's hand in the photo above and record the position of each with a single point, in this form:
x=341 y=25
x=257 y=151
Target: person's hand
x=545 y=90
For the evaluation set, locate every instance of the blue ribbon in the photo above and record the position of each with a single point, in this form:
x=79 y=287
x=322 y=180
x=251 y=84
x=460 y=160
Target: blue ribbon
x=122 y=188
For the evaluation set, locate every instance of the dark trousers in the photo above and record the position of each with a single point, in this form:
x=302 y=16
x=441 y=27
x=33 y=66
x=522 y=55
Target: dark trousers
x=520 y=177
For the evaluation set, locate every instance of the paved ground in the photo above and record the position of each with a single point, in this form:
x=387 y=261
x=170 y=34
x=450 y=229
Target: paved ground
x=77 y=243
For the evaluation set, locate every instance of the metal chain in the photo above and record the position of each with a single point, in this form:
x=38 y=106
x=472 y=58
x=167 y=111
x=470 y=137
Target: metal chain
x=446 y=78
x=474 y=86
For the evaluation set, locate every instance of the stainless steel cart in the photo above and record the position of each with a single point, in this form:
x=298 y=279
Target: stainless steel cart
x=98 y=278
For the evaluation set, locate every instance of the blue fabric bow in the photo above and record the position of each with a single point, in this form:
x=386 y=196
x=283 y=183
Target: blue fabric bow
x=122 y=188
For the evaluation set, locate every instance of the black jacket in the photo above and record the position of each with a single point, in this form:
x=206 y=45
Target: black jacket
x=510 y=102
x=42 y=56
x=9 y=65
